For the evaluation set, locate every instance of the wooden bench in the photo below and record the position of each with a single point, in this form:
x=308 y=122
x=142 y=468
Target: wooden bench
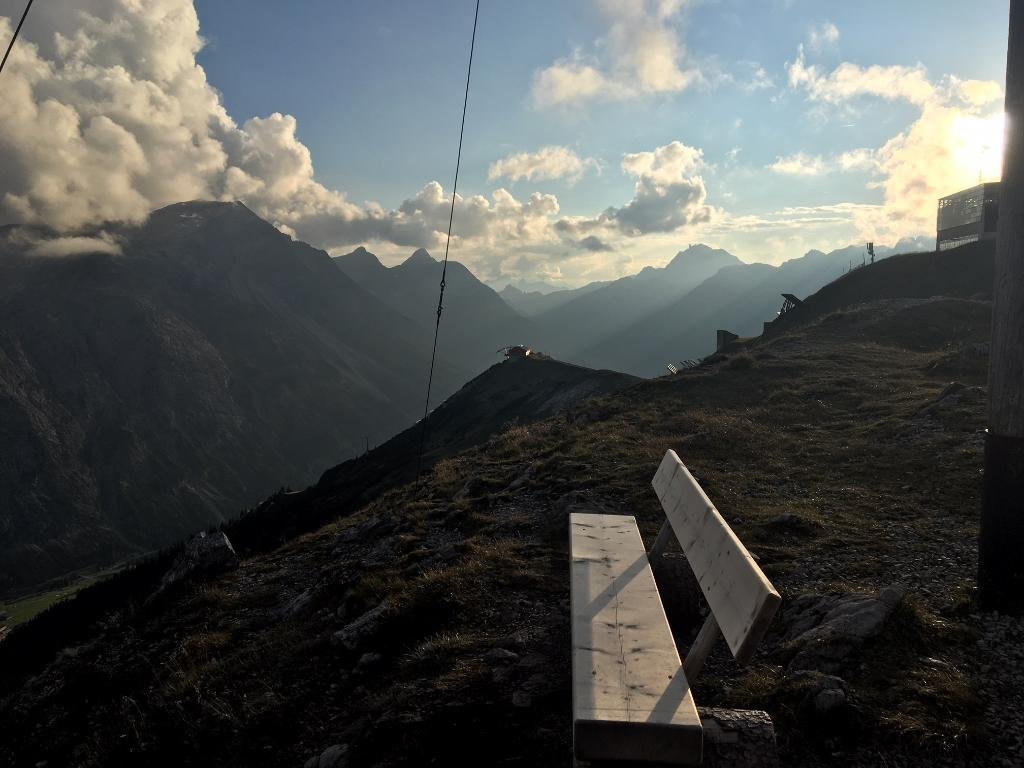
x=631 y=694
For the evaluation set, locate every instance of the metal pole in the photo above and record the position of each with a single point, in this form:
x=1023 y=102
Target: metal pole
x=1001 y=541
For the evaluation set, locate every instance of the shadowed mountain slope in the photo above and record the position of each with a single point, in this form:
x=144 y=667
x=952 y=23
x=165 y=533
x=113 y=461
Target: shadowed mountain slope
x=738 y=298
x=511 y=394
x=476 y=321
x=145 y=395
x=568 y=330
x=530 y=303
x=514 y=392
x=431 y=626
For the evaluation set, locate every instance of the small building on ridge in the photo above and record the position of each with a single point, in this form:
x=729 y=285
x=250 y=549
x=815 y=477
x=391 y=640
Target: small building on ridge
x=967 y=216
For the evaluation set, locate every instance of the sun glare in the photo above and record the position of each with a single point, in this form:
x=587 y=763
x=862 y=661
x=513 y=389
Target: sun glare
x=977 y=147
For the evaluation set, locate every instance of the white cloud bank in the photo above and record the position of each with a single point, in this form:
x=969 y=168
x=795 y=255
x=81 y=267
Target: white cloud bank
x=641 y=54
x=956 y=139
x=108 y=116
x=669 y=194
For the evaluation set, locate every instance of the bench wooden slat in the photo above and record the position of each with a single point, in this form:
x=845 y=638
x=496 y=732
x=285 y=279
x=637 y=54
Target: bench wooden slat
x=740 y=595
x=631 y=700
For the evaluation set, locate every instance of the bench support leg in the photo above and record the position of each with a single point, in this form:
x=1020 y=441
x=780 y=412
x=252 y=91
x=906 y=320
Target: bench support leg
x=658 y=547
x=701 y=647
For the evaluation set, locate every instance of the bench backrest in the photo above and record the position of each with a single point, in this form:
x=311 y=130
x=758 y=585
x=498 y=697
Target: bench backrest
x=739 y=594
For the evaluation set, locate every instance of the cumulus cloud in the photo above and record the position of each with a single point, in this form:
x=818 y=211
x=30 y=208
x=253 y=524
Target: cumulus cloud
x=107 y=116
x=641 y=54
x=669 y=194
x=847 y=81
x=544 y=165
x=956 y=138
x=121 y=120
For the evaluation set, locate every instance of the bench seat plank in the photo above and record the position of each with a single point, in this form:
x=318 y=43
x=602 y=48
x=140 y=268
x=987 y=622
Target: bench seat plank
x=631 y=700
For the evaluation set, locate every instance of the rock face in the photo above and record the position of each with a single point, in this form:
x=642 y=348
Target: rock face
x=205 y=554
x=823 y=630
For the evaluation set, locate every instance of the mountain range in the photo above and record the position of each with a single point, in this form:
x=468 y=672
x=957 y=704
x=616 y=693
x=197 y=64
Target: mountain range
x=149 y=394
x=635 y=324
x=476 y=321
x=372 y=621
x=739 y=298
x=567 y=331
x=530 y=303
x=152 y=392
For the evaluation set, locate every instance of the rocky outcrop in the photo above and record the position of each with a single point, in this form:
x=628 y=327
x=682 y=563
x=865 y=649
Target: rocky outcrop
x=824 y=630
x=205 y=554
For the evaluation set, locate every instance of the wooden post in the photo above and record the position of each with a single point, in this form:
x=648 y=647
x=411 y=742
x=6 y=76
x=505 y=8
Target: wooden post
x=701 y=648
x=1001 y=543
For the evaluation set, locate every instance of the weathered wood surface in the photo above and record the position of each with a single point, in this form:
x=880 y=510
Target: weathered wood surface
x=631 y=700
x=1001 y=539
x=740 y=596
x=1006 y=362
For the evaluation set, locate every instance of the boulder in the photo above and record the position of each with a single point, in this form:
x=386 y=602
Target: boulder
x=205 y=554
x=822 y=631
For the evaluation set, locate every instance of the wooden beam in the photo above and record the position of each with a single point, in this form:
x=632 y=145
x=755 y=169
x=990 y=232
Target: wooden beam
x=1000 y=566
x=701 y=648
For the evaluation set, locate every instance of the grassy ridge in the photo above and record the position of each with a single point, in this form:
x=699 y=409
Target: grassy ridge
x=433 y=622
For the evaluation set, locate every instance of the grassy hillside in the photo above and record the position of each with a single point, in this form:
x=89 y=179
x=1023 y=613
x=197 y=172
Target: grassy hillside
x=964 y=272
x=431 y=626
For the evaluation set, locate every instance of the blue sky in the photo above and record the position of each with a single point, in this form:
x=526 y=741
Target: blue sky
x=767 y=127
x=377 y=87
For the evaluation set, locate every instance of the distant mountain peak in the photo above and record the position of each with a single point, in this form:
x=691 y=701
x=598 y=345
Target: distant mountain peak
x=201 y=207
x=701 y=253
x=420 y=256
x=359 y=256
